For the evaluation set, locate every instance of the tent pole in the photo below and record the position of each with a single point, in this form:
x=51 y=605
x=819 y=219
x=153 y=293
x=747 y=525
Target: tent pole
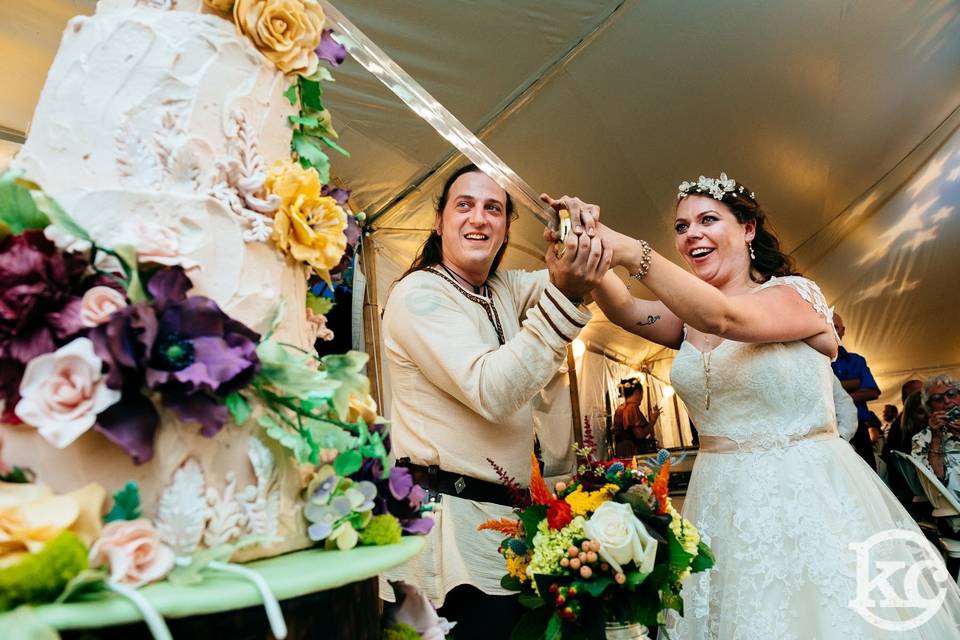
x=574 y=397
x=371 y=320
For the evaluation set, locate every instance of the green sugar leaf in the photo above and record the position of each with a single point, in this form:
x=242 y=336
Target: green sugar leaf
x=333 y=145
x=238 y=406
x=18 y=211
x=311 y=155
x=306 y=121
x=311 y=94
x=319 y=304
x=126 y=504
x=348 y=462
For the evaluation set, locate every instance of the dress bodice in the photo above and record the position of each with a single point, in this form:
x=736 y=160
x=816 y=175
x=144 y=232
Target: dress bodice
x=759 y=392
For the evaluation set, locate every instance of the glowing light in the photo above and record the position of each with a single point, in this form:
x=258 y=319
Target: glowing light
x=578 y=348
x=668 y=391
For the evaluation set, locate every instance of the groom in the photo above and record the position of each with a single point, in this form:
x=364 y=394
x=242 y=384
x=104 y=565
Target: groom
x=468 y=348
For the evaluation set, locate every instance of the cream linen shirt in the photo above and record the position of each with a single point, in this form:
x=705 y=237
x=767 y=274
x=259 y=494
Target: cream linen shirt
x=464 y=369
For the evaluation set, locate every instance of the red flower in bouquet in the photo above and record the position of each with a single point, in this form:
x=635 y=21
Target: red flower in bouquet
x=559 y=513
x=661 y=486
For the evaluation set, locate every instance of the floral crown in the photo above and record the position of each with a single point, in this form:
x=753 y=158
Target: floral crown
x=716 y=187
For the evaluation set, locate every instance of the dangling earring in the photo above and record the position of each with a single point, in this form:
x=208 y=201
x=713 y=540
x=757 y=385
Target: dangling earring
x=753 y=256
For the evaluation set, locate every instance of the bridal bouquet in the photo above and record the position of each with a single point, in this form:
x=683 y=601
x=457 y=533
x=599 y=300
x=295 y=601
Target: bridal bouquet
x=607 y=547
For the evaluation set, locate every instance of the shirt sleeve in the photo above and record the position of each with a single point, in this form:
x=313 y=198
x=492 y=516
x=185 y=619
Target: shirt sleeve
x=862 y=371
x=426 y=326
x=920 y=444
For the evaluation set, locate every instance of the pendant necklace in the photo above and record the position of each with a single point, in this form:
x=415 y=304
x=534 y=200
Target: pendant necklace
x=705 y=359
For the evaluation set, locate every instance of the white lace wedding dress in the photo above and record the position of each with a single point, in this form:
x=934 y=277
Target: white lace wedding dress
x=782 y=501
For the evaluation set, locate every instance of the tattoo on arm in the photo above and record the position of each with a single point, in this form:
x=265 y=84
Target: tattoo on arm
x=649 y=321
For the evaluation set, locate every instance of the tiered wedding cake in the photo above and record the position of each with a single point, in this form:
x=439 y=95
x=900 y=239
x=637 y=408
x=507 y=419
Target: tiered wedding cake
x=157 y=128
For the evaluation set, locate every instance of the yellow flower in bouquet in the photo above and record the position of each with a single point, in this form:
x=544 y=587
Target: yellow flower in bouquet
x=517 y=565
x=307 y=226
x=583 y=503
x=686 y=534
x=285 y=31
x=32 y=515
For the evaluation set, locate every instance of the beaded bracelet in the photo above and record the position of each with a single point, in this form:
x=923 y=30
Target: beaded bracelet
x=645 y=259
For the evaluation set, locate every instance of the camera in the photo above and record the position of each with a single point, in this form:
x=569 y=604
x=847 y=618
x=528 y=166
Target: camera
x=953 y=415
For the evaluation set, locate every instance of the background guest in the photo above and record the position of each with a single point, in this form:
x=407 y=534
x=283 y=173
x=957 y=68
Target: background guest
x=852 y=370
x=890 y=413
x=633 y=433
x=939 y=443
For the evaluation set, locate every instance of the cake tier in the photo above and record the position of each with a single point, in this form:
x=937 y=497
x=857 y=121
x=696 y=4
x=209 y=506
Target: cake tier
x=155 y=128
x=143 y=100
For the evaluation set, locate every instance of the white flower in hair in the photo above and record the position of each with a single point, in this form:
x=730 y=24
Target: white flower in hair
x=716 y=187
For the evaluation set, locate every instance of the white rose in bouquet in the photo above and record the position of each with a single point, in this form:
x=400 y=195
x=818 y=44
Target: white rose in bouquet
x=622 y=537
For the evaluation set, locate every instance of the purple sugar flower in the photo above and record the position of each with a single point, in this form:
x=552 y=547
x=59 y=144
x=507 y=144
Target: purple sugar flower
x=185 y=348
x=331 y=50
x=41 y=288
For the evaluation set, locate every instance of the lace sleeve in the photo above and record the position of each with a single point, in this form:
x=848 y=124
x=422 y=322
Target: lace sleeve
x=810 y=292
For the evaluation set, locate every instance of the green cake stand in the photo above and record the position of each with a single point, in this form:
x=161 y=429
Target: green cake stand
x=324 y=594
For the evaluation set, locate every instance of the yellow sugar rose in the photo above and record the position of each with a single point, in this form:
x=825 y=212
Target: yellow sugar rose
x=32 y=515
x=285 y=31
x=219 y=5
x=365 y=408
x=307 y=226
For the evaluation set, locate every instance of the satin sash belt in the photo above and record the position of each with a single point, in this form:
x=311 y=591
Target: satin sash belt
x=722 y=444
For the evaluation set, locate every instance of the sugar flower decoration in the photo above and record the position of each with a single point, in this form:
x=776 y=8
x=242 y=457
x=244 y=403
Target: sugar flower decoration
x=32 y=515
x=287 y=32
x=99 y=303
x=62 y=392
x=307 y=226
x=40 y=301
x=184 y=347
x=133 y=551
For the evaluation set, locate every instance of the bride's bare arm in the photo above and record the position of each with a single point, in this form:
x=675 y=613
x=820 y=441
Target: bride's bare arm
x=776 y=314
x=648 y=319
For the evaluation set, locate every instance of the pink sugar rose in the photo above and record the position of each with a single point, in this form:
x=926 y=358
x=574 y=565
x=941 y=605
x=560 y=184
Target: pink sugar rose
x=99 y=303
x=156 y=243
x=133 y=551
x=62 y=392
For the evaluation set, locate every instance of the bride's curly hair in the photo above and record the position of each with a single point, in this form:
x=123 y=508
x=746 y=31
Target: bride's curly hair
x=770 y=260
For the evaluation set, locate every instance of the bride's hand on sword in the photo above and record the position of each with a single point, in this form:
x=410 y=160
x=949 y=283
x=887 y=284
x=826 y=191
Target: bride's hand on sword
x=583 y=260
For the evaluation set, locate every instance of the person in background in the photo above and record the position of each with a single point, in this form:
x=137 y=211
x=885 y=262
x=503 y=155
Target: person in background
x=911 y=421
x=890 y=414
x=907 y=389
x=633 y=433
x=853 y=372
x=938 y=445
x=875 y=432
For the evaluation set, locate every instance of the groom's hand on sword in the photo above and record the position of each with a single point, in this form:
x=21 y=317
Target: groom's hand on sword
x=579 y=262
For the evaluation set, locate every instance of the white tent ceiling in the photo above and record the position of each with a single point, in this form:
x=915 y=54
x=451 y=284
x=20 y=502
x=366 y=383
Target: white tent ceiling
x=842 y=115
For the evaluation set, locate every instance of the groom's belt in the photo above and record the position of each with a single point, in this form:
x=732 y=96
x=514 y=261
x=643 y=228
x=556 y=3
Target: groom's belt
x=437 y=482
x=722 y=444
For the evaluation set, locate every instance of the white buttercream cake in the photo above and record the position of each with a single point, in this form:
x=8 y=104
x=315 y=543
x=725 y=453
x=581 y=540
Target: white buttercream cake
x=155 y=127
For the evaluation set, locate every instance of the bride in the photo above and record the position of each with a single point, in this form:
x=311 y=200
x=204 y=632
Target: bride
x=779 y=496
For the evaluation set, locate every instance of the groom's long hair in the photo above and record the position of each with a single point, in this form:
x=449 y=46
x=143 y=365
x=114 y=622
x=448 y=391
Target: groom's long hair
x=431 y=252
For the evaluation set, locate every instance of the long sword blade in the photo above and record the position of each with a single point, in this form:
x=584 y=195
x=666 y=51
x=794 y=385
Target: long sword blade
x=373 y=59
